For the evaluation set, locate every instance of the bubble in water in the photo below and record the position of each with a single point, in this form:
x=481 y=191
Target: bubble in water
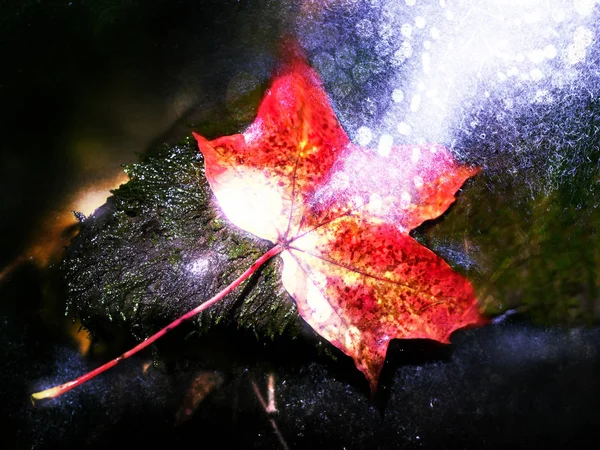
x=406 y=30
x=364 y=136
x=364 y=29
x=536 y=74
x=426 y=59
x=397 y=95
x=584 y=7
x=558 y=14
x=536 y=56
x=415 y=155
x=576 y=51
x=402 y=54
x=420 y=22
x=404 y=128
x=415 y=103
x=550 y=51
x=385 y=144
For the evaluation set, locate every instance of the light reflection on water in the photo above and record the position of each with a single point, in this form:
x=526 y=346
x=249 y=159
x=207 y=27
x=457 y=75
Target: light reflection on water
x=413 y=66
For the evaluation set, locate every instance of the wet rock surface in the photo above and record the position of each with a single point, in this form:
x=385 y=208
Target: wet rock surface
x=160 y=246
x=510 y=384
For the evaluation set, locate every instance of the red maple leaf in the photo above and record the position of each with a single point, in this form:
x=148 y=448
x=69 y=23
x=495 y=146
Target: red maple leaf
x=340 y=217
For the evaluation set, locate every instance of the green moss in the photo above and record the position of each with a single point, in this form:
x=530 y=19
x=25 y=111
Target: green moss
x=159 y=247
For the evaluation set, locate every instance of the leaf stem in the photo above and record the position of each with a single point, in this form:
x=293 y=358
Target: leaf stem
x=57 y=391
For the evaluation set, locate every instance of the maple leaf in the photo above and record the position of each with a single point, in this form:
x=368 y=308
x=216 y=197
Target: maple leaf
x=340 y=215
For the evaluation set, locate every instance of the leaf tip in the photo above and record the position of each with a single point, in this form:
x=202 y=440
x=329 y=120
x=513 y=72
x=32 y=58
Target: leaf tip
x=203 y=143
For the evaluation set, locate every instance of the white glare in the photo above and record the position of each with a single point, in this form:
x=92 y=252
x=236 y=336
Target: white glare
x=550 y=51
x=421 y=65
x=415 y=155
x=466 y=48
x=576 y=51
x=404 y=128
x=584 y=7
x=406 y=30
x=385 y=145
x=415 y=103
x=364 y=136
x=397 y=95
x=249 y=200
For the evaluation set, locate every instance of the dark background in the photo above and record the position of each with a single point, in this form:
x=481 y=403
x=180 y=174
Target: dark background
x=84 y=86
